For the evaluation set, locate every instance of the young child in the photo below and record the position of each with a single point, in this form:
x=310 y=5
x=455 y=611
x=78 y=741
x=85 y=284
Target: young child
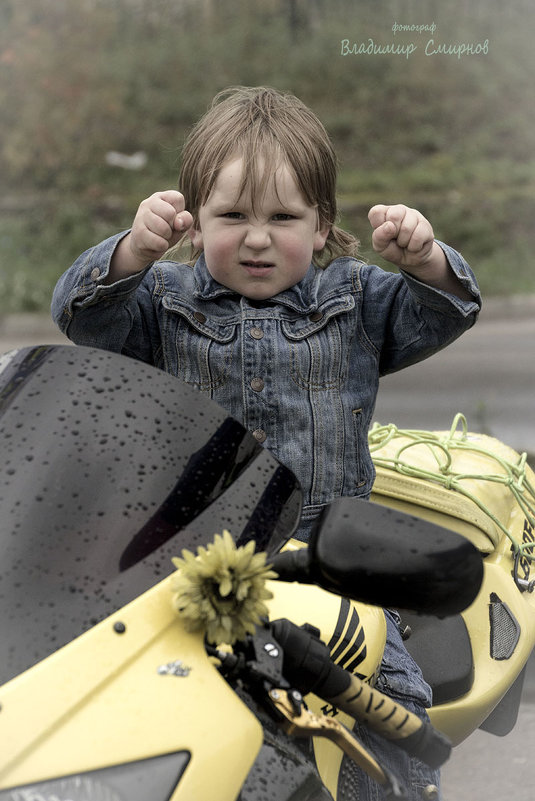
x=275 y=317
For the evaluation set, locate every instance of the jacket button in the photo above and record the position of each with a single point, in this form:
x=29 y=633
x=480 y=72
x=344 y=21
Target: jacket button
x=257 y=384
x=95 y=273
x=256 y=333
x=260 y=435
x=316 y=316
x=199 y=316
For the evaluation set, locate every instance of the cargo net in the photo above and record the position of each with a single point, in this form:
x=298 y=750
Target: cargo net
x=511 y=474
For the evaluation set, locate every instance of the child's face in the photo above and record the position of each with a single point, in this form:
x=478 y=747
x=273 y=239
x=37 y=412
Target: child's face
x=259 y=252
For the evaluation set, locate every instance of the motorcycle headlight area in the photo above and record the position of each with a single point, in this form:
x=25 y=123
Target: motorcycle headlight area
x=153 y=778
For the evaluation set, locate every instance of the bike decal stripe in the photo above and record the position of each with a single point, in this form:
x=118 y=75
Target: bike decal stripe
x=348 y=636
x=346 y=653
x=355 y=649
x=358 y=659
x=340 y=623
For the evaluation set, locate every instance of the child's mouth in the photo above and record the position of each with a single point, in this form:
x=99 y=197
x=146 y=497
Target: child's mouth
x=256 y=267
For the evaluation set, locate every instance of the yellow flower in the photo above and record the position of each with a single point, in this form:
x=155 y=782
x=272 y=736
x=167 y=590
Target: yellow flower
x=222 y=589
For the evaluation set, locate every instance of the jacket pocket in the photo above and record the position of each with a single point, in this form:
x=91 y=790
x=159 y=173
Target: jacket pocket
x=318 y=345
x=196 y=349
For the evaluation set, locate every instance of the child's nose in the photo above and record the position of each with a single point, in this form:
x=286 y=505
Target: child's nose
x=257 y=237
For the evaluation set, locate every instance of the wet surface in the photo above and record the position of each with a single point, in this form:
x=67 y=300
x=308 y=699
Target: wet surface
x=489 y=376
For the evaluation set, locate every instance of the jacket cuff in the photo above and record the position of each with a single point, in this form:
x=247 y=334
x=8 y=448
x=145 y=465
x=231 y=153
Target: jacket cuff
x=95 y=269
x=445 y=301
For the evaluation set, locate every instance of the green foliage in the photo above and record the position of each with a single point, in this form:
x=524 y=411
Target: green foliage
x=453 y=137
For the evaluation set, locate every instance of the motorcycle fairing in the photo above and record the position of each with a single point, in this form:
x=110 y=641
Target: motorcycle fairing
x=482 y=468
x=503 y=717
x=155 y=777
x=109 y=468
x=103 y=701
x=336 y=618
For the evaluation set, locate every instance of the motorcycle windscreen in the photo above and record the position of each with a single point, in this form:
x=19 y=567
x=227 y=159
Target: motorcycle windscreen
x=109 y=467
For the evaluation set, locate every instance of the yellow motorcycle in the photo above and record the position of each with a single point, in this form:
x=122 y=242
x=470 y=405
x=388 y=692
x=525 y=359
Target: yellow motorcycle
x=122 y=677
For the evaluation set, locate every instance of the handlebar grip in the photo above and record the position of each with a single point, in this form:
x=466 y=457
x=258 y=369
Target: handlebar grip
x=394 y=722
x=309 y=667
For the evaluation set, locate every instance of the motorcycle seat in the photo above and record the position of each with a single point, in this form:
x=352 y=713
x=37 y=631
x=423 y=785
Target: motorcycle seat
x=441 y=647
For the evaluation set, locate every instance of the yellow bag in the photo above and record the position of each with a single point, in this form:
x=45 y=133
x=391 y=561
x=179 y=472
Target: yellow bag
x=471 y=483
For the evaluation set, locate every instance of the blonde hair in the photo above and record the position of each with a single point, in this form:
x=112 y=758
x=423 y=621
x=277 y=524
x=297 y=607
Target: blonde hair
x=258 y=123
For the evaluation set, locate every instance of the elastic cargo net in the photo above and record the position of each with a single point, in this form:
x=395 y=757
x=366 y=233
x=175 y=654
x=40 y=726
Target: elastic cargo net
x=471 y=483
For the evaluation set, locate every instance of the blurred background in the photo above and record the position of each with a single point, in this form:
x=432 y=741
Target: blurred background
x=96 y=97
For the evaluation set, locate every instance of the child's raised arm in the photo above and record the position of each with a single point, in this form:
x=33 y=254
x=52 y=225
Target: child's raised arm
x=159 y=223
x=404 y=237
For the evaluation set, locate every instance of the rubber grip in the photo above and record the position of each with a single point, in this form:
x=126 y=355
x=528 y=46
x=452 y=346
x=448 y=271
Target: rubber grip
x=394 y=722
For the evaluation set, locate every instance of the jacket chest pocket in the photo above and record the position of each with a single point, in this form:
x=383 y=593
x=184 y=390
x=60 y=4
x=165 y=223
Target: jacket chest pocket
x=197 y=350
x=318 y=347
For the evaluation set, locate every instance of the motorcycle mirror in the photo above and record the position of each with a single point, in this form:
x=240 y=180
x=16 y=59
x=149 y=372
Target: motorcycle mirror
x=382 y=556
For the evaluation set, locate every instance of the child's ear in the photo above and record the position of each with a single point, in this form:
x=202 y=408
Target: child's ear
x=196 y=237
x=320 y=237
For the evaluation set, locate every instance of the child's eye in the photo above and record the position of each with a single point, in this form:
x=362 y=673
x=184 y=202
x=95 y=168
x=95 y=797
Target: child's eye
x=232 y=215
x=283 y=217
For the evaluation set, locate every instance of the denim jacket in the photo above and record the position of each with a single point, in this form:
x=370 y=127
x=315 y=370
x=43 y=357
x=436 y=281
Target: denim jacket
x=300 y=370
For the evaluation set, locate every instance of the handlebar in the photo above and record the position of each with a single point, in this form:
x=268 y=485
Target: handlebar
x=308 y=667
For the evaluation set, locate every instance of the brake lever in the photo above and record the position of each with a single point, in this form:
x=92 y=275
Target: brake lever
x=298 y=721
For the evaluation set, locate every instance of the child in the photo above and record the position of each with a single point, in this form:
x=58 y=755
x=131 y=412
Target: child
x=275 y=318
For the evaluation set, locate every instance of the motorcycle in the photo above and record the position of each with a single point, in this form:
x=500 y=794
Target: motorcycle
x=481 y=488
x=111 y=687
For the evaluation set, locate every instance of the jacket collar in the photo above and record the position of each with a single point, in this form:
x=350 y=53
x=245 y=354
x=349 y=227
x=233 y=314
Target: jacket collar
x=302 y=297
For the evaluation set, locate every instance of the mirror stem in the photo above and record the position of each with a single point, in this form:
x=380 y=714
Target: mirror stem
x=293 y=566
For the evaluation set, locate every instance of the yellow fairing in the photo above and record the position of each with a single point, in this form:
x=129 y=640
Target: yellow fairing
x=356 y=633
x=109 y=697
x=492 y=677
x=457 y=479
x=478 y=486
x=113 y=695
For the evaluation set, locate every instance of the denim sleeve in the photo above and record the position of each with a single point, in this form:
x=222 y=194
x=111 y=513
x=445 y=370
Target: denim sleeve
x=420 y=320
x=443 y=301
x=118 y=317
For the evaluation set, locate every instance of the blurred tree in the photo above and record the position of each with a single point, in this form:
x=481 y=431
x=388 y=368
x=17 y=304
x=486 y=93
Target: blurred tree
x=78 y=80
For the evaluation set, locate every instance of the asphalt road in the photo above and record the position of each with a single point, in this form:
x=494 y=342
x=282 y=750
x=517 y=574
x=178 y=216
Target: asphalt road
x=489 y=768
x=489 y=375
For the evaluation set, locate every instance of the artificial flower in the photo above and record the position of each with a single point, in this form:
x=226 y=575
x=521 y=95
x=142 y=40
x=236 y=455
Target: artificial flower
x=222 y=589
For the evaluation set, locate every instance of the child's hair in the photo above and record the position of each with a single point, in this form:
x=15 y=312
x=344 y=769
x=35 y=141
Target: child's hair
x=259 y=123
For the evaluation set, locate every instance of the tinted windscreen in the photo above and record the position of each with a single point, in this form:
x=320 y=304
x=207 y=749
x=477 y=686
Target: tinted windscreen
x=110 y=467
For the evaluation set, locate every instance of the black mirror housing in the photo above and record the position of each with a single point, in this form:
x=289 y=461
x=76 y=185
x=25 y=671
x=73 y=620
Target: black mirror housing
x=381 y=556
x=393 y=559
